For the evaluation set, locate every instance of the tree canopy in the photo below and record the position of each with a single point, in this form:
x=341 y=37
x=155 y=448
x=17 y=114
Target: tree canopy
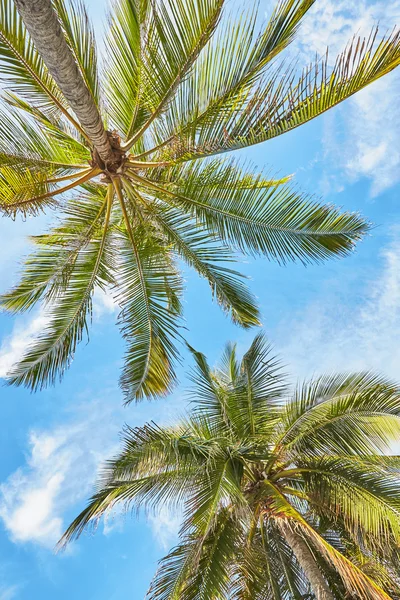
x=284 y=492
x=181 y=84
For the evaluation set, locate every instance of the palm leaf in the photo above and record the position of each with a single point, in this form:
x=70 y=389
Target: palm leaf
x=362 y=495
x=225 y=73
x=324 y=411
x=200 y=251
x=169 y=583
x=355 y=581
x=176 y=33
x=47 y=271
x=127 y=27
x=149 y=322
x=52 y=352
x=157 y=467
x=279 y=103
x=276 y=221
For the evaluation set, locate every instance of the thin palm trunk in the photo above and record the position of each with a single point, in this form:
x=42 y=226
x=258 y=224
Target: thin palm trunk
x=308 y=564
x=45 y=30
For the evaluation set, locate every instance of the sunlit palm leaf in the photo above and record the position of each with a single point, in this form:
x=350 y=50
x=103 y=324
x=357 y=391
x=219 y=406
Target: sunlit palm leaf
x=223 y=77
x=149 y=322
x=328 y=408
x=176 y=32
x=22 y=192
x=275 y=221
x=200 y=251
x=126 y=38
x=280 y=101
x=50 y=355
x=366 y=499
x=47 y=270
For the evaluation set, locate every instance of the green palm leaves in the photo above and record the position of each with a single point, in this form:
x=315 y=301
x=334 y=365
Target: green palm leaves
x=182 y=81
x=277 y=487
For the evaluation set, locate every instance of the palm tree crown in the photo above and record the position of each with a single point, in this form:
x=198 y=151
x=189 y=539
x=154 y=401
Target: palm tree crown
x=140 y=146
x=284 y=494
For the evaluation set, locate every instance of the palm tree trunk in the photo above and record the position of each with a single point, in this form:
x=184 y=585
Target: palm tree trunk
x=44 y=28
x=307 y=562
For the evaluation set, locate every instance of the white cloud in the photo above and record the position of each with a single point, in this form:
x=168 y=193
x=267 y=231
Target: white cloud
x=365 y=144
x=334 y=22
x=61 y=466
x=60 y=469
x=335 y=335
x=8 y=592
x=103 y=304
x=165 y=526
x=15 y=345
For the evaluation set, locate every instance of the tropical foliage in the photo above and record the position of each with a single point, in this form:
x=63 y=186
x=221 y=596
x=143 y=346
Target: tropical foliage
x=271 y=482
x=181 y=83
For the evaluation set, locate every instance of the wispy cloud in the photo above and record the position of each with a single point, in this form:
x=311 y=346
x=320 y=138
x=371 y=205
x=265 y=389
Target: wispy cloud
x=361 y=138
x=103 y=304
x=9 y=592
x=61 y=466
x=165 y=526
x=60 y=469
x=336 y=335
x=15 y=345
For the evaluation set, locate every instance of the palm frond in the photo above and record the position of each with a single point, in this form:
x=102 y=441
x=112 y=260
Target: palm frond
x=355 y=581
x=201 y=252
x=46 y=271
x=364 y=496
x=176 y=33
x=199 y=568
x=147 y=281
x=170 y=580
x=126 y=35
x=224 y=75
x=60 y=134
x=208 y=396
x=28 y=193
x=257 y=390
x=276 y=222
x=156 y=467
x=280 y=101
x=23 y=192
x=32 y=160
x=323 y=412
x=53 y=350
x=44 y=140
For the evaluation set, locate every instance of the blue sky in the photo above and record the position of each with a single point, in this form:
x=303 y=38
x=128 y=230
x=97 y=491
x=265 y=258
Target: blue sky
x=339 y=316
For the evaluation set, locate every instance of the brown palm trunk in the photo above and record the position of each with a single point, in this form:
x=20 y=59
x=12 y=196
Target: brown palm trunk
x=44 y=28
x=307 y=562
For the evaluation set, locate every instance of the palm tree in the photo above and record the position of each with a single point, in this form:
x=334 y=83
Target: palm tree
x=132 y=160
x=284 y=494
